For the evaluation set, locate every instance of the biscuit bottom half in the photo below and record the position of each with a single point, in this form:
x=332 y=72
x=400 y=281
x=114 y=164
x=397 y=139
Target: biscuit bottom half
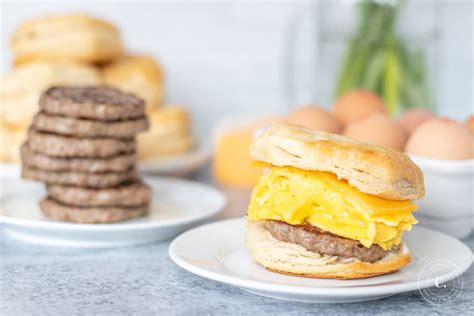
x=288 y=258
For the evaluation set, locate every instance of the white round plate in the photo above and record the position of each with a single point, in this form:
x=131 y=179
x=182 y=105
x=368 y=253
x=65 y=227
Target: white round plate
x=217 y=251
x=177 y=205
x=181 y=165
x=10 y=170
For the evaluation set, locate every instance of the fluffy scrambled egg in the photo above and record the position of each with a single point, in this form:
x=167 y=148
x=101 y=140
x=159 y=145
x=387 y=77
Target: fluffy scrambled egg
x=318 y=198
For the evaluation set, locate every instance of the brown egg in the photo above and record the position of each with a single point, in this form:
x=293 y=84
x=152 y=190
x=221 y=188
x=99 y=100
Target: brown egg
x=378 y=129
x=441 y=139
x=356 y=105
x=470 y=123
x=314 y=117
x=411 y=119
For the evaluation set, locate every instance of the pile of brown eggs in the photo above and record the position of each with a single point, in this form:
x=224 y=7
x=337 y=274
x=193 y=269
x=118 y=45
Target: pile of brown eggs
x=362 y=115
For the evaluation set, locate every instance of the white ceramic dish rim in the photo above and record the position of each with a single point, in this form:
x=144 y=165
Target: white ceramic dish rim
x=371 y=290
x=198 y=155
x=124 y=226
x=448 y=167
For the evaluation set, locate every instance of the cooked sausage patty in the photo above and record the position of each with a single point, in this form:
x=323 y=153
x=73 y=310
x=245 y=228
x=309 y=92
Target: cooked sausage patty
x=120 y=163
x=98 y=103
x=317 y=240
x=88 y=128
x=73 y=147
x=91 y=215
x=89 y=180
x=132 y=194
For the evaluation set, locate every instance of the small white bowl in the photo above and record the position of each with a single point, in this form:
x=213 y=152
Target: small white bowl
x=449 y=202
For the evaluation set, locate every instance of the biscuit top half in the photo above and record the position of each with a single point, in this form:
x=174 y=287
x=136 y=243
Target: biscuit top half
x=61 y=21
x=371 y=169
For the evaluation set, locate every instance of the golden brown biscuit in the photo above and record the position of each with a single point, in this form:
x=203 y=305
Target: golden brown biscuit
x=153 y=149
x=289 y=258
x=140 y=75
x=169 y=134
x=371 y=169
x=11 y=138
x=21 y=89
x=71 y=37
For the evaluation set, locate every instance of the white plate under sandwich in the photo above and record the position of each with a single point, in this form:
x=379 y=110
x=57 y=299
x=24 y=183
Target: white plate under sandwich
x=217 y=251
x=176 y=205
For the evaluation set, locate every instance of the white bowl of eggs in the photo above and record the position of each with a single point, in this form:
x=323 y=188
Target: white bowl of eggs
x=448 y=203
x=444 y=150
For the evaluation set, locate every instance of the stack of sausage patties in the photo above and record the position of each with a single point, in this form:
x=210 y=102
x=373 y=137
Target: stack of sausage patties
x=82 y=145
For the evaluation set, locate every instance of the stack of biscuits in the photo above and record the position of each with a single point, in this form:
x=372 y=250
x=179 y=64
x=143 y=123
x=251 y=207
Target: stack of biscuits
x=82 y=145
x=77 y=49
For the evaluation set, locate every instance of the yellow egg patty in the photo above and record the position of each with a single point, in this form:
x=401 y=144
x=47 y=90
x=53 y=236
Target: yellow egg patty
x=317 y=198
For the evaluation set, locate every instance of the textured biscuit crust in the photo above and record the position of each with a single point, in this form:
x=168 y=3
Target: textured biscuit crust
x=140 y=75
x=72 y=147
x=72 y=37
x=90 y=180
x=10 y=142
x=171 y=127
x=34 y=160
x=21 y=88
x=97 y=103
x=371 y=169
x=288 y=258
x=168 y=147
x=88 y=128
x=89 y=215
x=134 y=194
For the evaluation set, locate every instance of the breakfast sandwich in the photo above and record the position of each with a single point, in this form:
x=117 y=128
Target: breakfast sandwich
x=330 y=206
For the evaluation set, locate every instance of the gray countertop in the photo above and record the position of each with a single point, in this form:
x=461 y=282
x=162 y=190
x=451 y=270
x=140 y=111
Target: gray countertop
x=144 y=280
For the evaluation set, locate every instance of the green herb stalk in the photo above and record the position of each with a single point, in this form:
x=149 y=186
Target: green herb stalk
x=378 y=60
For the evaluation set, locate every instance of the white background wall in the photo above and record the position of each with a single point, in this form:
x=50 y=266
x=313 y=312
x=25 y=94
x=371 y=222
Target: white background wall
x=225 y=58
